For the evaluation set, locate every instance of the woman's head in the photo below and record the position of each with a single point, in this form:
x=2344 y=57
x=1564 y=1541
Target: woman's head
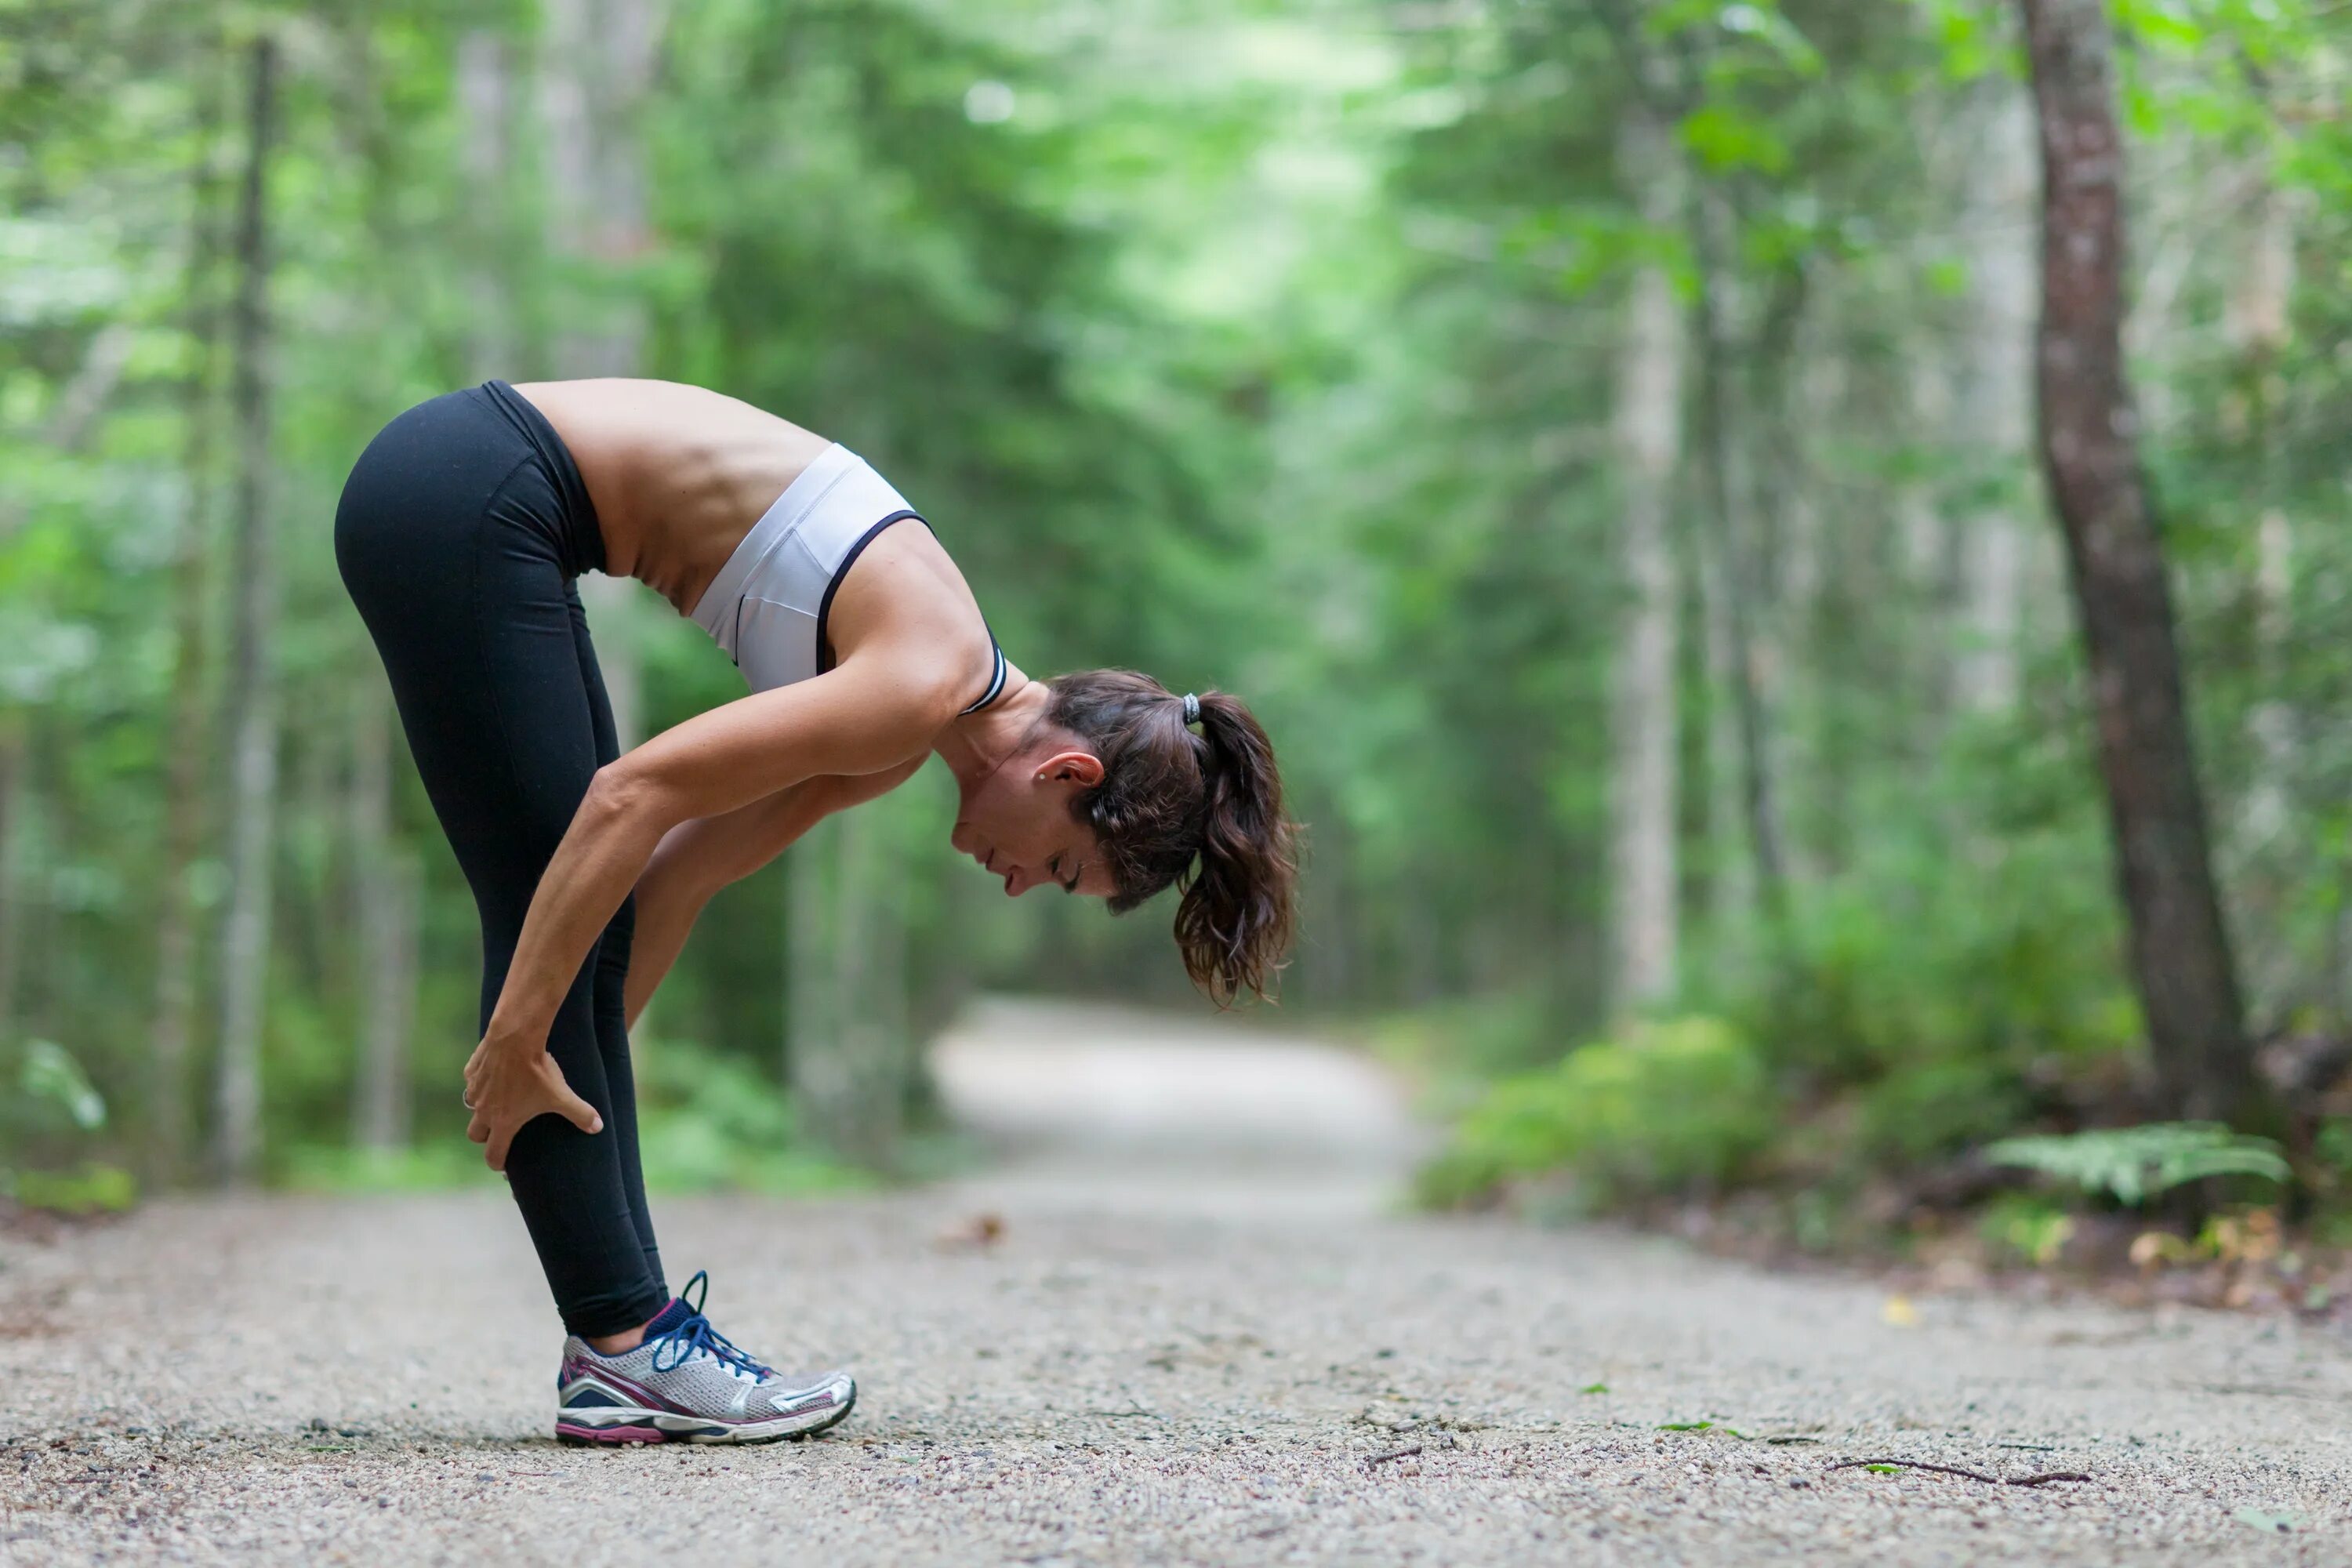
x=1154 y=801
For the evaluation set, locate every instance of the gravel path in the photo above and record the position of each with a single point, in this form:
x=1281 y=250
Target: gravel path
x=1189 y=1345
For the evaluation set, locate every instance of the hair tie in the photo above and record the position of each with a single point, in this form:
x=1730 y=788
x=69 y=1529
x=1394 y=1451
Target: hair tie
x=1191 y=708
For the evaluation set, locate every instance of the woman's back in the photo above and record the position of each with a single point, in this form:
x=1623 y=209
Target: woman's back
x=678 y=474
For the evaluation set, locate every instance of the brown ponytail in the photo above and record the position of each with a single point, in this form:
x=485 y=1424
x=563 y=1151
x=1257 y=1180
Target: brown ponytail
x=1202 y=811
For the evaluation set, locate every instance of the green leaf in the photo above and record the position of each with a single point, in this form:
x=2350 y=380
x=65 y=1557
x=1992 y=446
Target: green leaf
x=1595 y=1388
x=51 y=1073
x=2132 y=1165
x=1723 y=138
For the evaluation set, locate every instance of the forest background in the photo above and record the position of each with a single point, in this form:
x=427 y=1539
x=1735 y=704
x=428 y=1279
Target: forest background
x=1599 y=438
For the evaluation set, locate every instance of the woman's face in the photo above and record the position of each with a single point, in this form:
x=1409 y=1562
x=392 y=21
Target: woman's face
x=1016 y=821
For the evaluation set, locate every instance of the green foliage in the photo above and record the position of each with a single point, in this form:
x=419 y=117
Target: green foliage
x=1479 y=1039
x=51 y=1081
x=2026 y=1229
x=92 y=1187
x=1272 y=349
x=1674 y=1108
x=47 y=1129
x=440 y=1164
x=710 y=1122
x=2332 y=1145
x=2133 y=1164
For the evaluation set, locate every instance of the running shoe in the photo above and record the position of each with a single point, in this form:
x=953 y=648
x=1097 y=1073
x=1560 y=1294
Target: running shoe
x=686 y=1382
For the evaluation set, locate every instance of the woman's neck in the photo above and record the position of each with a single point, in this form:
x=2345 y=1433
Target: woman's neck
x=975 y=745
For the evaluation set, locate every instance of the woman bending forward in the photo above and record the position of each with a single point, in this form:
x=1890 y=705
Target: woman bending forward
x=460 y=536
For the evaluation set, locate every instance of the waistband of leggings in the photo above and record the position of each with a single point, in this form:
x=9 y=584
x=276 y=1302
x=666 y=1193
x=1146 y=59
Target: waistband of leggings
x=584 y=537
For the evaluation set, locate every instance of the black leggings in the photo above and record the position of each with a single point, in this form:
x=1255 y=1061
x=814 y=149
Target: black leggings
x=459 y=535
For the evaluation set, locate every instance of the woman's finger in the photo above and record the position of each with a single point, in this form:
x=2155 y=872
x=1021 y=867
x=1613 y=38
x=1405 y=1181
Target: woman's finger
x=500 y=1142
x=578 y=1111
x=479 y=1129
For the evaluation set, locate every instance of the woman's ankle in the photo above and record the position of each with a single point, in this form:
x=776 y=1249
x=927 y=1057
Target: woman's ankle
x=620 y=1343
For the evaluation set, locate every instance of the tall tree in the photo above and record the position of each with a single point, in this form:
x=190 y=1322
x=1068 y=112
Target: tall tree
x=485 y=92
x=384 y=892
x=1737 y=575
x=2262 y=851
x=1990 y=398
x=251 y=717
x=2180 y=957
x=848 y=1052
x=2254 y=322
x=188 y=748
x=1649 y=439
x=593 y=76
x=12 y=914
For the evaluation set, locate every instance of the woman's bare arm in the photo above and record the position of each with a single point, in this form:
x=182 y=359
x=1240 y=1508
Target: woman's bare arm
x=693 y=861
x=877 y=711
x=697 y=859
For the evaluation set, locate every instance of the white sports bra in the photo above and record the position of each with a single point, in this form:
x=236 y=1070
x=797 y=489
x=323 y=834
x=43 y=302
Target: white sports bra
x=767 y=606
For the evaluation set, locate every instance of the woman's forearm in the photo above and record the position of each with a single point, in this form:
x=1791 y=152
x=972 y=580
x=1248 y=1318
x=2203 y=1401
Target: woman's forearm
x=669 y=899
x=869 y=716
x=699 y=858
x=612 y=837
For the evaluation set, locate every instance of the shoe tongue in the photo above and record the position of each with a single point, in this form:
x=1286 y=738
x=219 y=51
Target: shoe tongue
x=669 y=1318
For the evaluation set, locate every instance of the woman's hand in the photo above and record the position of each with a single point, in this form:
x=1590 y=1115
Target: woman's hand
x=508 y=1084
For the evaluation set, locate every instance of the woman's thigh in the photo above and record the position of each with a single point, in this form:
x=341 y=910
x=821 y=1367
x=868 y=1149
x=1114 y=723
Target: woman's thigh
x=445 y=537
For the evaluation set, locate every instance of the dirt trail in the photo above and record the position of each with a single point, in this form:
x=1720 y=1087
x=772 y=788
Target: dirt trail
x=1203 y=1338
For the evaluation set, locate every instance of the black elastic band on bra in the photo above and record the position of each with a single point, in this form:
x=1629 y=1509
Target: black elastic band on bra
x=849 y=559
x=996 y=679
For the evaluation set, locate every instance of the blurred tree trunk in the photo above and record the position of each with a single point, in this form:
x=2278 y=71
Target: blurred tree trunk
x=1649 y=439
x=1990 y=394
x=485 y=92
x=1775 y=388
x=1737 y=576
x=12 y=915
x=251 y=715
x=848 y=1058
x=384 y=899
x=2180 y=950
x=594 y=76
x=2255 y=324
x=1925 y=533
x=188 y=797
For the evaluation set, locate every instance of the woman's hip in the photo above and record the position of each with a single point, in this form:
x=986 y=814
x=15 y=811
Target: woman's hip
x=445 y=480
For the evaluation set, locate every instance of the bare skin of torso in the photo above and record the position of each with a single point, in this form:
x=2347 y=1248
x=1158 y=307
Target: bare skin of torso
x=679 y=475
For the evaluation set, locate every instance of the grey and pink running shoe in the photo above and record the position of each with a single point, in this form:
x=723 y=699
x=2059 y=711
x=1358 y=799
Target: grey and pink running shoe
x=687 y=1383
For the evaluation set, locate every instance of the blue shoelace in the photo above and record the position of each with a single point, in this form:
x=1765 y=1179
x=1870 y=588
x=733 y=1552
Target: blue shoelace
x=693 y=1332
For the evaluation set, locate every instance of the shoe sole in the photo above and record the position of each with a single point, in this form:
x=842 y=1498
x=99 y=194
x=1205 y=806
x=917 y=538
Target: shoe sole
x=641 y=1426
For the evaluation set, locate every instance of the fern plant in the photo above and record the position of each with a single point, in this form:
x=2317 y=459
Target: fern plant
x=2133 y=1164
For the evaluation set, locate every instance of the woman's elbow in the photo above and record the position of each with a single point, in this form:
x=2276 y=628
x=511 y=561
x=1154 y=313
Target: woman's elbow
x=622 y=798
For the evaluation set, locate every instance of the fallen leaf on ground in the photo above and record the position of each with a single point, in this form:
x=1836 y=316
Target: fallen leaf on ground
x=980 y=1230
x=2270 y=1523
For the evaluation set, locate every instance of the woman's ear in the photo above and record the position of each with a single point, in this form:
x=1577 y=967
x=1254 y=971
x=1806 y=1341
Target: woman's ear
x=1077 y=766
